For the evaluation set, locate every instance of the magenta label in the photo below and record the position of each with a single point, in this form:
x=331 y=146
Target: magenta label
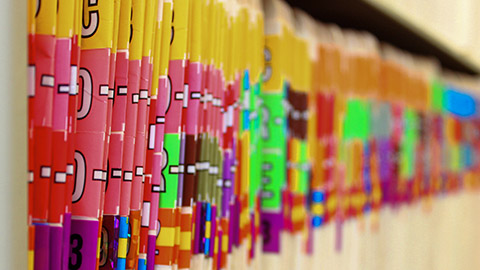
x=56 y=239
x=151 y=252
x=42 y=247
x=271 y=227
x=67 y=220
x=198 y=220
x=83 y=244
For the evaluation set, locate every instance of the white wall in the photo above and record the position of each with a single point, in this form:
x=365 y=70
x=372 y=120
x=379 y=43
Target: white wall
x=13 y=135
x=454 y=24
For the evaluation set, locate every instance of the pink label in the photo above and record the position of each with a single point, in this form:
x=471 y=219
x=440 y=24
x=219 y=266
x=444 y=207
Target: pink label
x=93 y=91
x=140 y=137
x=62 y=84
x=194 y=95
x=121 y=91
x=44 y=79
x=90 y=136
x=128 y=175
x=133 y=98
x=115 y=148
x=89 y=175
x=114 y=177
x=175 y=96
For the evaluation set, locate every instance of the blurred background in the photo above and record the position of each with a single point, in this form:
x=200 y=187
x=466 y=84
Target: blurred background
x=445 y=29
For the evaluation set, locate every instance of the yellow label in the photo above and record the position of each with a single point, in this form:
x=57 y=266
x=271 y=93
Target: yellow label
x=225 y=243
x=178 y=48
x=298 y=213
x=166 y=38
x=116 y=23
x=30 y=259
x=205 y=20
x=77 y=21
x=220 y=49
x=124 y=27
x=46 y=17
x=258 y=59
x=332 y=203
x=243 y=24
x=149 y=27
x=318 y=209
x=185 y=240
x=208 y=227
x=272 y=73
x=122 y=248
x=99 y=246
x=166 y=238
x=157 y=56
x=137 y=28
x=65 y=15
x=31 y=11
x=97 y=29
x=215 y=247
x=227 y=65
x=235 y=44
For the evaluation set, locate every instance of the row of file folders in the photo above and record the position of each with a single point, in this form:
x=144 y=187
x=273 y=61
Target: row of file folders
x=220 y=134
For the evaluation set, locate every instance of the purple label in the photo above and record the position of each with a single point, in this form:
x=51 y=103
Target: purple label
x=83 y=243
x=42 y=247
x=67 y=219
x=235 y=214
x=271 y=228
x=253 y=234
x=56 y=247
x=151 y=252
x=226 y=194
x=384 y=155
x=198 y=218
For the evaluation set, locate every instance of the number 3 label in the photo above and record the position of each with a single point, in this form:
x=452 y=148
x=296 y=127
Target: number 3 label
x=76 y=242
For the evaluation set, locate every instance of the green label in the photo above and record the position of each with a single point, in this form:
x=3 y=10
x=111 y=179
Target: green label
x=273 y=175
x=357 y=120
x=170 y=171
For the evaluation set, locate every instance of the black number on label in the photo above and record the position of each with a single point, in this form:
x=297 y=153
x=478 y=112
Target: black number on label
x=266 y=226
x=76 y=242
